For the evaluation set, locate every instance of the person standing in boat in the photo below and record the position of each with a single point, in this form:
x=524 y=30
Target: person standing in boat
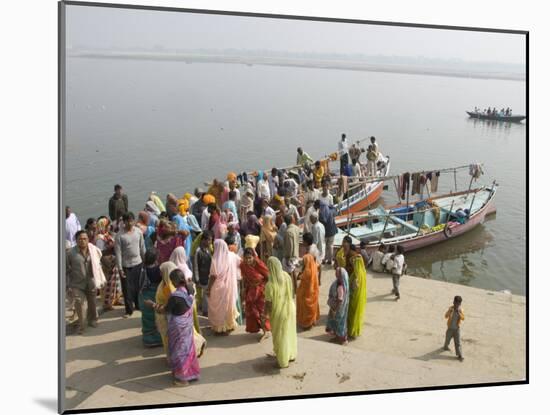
x=303 y=159
x=372 y=157
x=343 y=152
x=355 y=152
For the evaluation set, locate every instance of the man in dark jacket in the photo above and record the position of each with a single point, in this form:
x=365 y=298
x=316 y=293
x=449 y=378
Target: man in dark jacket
x=326 y=217
x=118 y=204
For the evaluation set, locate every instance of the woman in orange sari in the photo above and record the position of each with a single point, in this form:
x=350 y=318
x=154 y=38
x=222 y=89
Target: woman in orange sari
x=307 y=294
x=254 y=275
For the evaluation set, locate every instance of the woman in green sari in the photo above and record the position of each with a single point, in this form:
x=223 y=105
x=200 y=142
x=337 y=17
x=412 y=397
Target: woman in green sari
x=347 y=257
x=281 y=312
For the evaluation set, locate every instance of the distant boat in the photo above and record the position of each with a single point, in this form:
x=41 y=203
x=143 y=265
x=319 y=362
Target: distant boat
x=505 y=118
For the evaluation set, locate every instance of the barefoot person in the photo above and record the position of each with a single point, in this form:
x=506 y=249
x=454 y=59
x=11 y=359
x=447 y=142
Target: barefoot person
x=222 y=289
x=84 y=276
x=254 y=273
x=281 y=312
x=129 y=251
x=307 y=294
x=182 y=356
x=152 y=279
x=454 y=316
x=352 y=261
x=338 y=302
x=164 y=291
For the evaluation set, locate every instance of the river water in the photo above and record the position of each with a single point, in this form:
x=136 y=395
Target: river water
x=170 y=126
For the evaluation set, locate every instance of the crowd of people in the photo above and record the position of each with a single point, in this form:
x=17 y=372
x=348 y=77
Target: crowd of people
x=234 y=253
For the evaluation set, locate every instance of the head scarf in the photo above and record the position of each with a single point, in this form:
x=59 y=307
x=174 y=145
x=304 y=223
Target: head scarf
x=183 y=206
x=231 y=177
x=179 y=258
x=151 y=207
x=158 y=203
x=220 y=259
x=187 y=196
x=268 y=231
x=260 y=175
x=165 y=288
x=103 y=225
x=208 y=199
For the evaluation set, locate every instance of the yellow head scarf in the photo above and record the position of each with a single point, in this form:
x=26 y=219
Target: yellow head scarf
x=183 y=206
x=165 y=288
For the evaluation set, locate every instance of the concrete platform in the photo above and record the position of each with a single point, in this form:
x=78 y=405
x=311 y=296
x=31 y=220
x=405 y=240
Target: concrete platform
x=400 y=348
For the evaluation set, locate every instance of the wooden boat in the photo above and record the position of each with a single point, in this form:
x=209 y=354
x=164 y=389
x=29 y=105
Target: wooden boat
x=361 y=197
x=505 y=118
x=421 y=224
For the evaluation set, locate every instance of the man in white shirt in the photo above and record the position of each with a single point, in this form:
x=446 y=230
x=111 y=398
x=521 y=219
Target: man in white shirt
x=325 y=194
x=377 y=257
x=267 y=210
x=205 y=218
x=307 y=222
x=72 y=226
x=291 y=187
x=343 y=152
x=356 y=169
x=397 y=270
x=262 y=188
x=311 y=194
x=318 y=232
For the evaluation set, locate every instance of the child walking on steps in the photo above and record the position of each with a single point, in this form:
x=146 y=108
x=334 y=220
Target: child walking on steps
x=454 y=316
x=398 y=268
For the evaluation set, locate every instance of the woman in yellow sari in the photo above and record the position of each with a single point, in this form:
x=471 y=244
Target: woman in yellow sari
x=164 y=291
x=352 y=261
x=281 y=312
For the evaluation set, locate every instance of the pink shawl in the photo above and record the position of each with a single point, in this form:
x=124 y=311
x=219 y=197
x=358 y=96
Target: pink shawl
x=179 y=257
x=223 y=293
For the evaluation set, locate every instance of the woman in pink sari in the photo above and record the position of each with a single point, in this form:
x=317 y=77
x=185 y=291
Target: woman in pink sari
x=222 y=289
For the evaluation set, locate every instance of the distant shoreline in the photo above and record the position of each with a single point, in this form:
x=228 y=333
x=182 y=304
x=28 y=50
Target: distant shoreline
x=298 y=63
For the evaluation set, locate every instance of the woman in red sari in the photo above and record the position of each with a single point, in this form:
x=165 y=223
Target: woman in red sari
x=254 y=275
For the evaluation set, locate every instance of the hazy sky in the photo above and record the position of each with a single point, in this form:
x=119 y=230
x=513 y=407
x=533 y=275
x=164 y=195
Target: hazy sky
x=97 y=27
